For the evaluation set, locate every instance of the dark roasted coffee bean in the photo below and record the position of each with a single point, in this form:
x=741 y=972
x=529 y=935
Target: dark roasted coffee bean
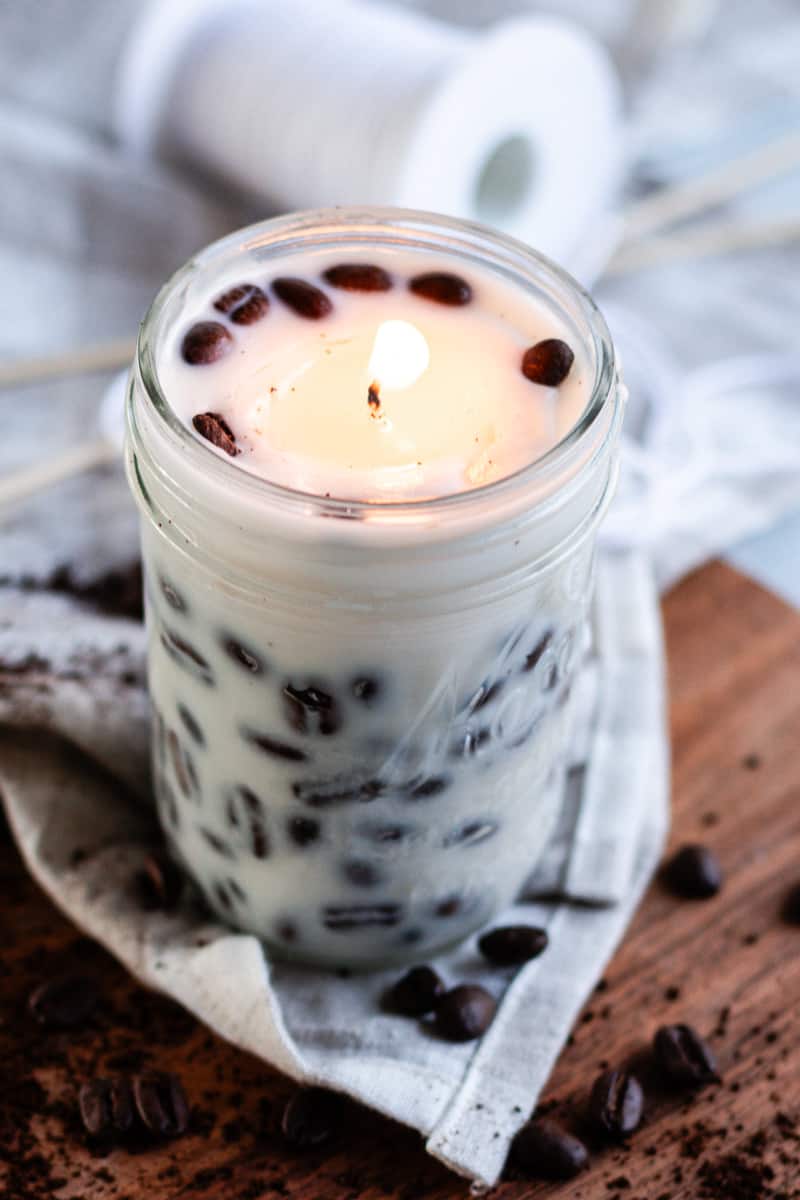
x=693 y=873
x=303 y=831
x=386 y=834
x=206 y=342
x=185 y=655
x=311 y=1118
x=179 y=766
x=286 y=930
x=217 y=844
x=685 y=1058
x=548 y=362
x=543 y=1150
x=106 y=1107
x=790 y=910
x=442 y=288
x=485 y=694
x=243 y=655
x=365 y=689
x=191 y=726
x=510 y=945
x=358 y=277
x=161 y=1104
x=616 y=1103
x=172 y=596
x=449 y=907
x=423 y=789
x=273 y=746
x=311 y=707
x=415 y=993
x=473 y=741
x=244 y=304
x=215 y=429
x=64 y=1002
x=532 y=659
x=159 y=882
x=472 y=833
x=344 y=917
x=302 y=298
x=465 y=1012
x=361 y=873
x=336 y=792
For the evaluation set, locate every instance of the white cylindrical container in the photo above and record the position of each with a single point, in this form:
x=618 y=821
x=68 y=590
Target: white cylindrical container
x=362 y=706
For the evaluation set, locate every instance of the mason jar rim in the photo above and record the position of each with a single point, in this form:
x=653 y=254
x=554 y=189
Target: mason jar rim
x=318 y=227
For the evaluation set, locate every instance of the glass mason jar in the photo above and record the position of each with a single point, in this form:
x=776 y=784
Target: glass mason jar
x=407 y=800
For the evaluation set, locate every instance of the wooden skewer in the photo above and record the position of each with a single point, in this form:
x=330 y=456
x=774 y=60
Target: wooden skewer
x=87 y=360
x=26 y=482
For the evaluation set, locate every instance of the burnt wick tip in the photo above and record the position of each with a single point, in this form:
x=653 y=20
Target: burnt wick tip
x=374 y=399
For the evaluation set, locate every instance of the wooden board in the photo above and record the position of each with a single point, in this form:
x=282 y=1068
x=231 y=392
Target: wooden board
x=734 y=654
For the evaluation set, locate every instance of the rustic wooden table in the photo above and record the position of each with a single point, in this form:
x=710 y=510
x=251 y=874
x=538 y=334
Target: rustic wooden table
x=729 y=966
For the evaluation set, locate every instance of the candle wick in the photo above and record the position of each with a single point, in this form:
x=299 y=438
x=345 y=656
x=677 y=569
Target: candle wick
x=374 y=400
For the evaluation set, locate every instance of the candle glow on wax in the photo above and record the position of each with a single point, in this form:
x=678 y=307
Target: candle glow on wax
x=400 y=354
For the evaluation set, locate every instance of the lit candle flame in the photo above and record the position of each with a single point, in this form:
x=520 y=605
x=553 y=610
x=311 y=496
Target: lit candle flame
x=400 y=355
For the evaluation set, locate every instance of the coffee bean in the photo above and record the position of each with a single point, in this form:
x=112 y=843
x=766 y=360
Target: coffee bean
x=790 y=911
x=342 y=918
x=484 y=695
x=172 y=596
x=64 y=1002
x=415 y=993
x=244 y=304
x=685 y=1058
x=161 y=1104
x=287 y=931
x=309 y=706
x=449 y=907
x=548 y=362
x=386 y=834
x=217 y=844
x=179 y=764
x=273 y=747
x=191 y=725
x=365 y=689
x=423 y=789
x=361 y=873
x=242 y=655
x=442 y=288
x=472 y=833
x=332 y=794
x=184 y=655
x=215 y=429
x=465 y=1012
x=106 y=1107
x=616 y=1103
x=510 y=945
x=532 y=659
x=546 y=1151
x=693 y=873
x=159 y=882
x=303 y=831
x=358 y=277
x=206 y=342
x=311 y=1118
x=302 y=298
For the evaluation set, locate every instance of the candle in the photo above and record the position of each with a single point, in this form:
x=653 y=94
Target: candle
x=387 y=396
x=370 y=452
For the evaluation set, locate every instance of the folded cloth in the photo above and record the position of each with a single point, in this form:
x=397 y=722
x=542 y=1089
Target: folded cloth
x=72 y=775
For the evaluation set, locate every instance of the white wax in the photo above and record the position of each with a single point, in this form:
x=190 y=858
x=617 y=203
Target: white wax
x=455 y=410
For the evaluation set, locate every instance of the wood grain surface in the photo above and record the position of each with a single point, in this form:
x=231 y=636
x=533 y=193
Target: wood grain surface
x=728 y=966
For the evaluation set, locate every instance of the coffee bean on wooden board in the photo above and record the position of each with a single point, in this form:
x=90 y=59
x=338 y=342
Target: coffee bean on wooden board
x=548 y=362
x=311 y=1117
x=442 y=288
x=693 y=873
x=616 y=1103
x=415 y=993
x=215 y=429
x=159 y=882
x=684 y=1057
x=543 y=1150
x=206 y=342
x=161 y=1104
x=465 y=1012
x=511 y=945
x=64 y=1002
x=106 y=1107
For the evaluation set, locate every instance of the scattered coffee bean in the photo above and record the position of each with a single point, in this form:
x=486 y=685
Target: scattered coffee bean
x=616 y=1103
x=361 y=873
x=510 y=945
x=244 y=304
x=161 y=1104
x=442 y=288
x=172 y=596
x=302 y=298
x=273 y=746
x=65 y=1002
x=215 y=429
x=205 y=343
x=790 y=910
x=548 y=362
x=449 y=907
x=303 y=831
x=191 y=725
x=106 y=1107
x=332 y=794
x=243 y=655
x=308 y=705
x=546 y=1151
x=365 y=689
x=159 y=882
x=465 y=1012
x=342 y=918
x=484 y=695
x=358 y=277
x=423 y=789
x=386 y=834
x=311 y=1118
x=686 y=1059
x=184 y=655
x=693 y=873
x=416 y=993
x=217 y=843
x=472 y=833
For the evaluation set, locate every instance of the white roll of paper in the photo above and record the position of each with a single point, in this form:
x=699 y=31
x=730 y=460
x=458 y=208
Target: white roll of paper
x=310 y=103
